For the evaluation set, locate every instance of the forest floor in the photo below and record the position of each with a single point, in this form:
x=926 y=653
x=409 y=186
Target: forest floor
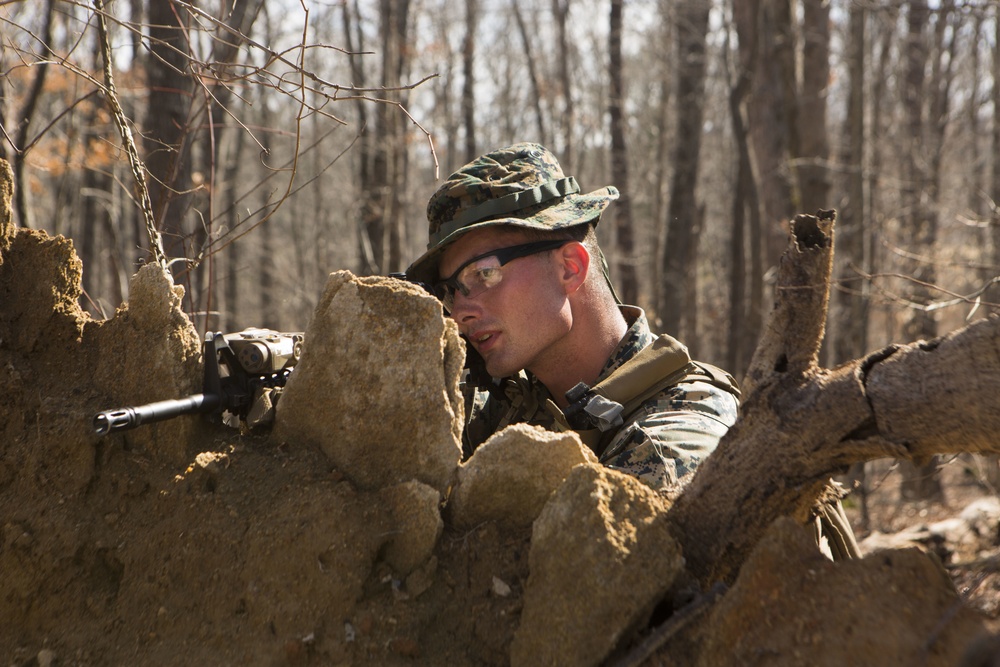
x=969 y=550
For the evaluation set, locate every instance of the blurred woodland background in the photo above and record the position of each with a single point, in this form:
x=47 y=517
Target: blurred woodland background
x=285 y=139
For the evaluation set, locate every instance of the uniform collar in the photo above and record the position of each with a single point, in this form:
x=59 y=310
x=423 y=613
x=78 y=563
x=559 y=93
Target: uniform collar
x=636 y=338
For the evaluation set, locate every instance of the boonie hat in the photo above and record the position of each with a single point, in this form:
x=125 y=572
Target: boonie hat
x=521 y=185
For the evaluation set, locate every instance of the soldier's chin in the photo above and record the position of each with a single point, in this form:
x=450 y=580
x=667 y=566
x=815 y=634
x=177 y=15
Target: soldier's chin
x=496 y=368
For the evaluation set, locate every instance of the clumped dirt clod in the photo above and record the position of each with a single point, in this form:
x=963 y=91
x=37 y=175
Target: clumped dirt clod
x=333 y=539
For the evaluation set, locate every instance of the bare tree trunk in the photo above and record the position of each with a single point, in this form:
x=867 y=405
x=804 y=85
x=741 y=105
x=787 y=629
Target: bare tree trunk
x=628 y=280
x=95 y=209
x=884 y=29
x=919 y=224
x=236 y=288
x=166 y=132
x=399 y=149
x=768 y=145
x=734 y=359
x=690 y=303
x=270 y=300
x=226 y=153
x=469 y=79
x=529 y=54
x=683 y=216
x=757 y=308
x=994 y=183
x=23 y=121
x=3 y=99
x=765 y=38
x=567 y=156
x=354 y=38
x=995 y=145
x=850 y=340
x=977 y=166
x=444 y=105
x=507 y=82
x=744 y=300
x=166 y=121
x=383 y=214
x=136 y=12
x=377 y=204
x=814 y=146
x=400 y=178
x=662 y=164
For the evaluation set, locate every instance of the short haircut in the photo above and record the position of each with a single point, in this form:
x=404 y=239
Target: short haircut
x=584 y=233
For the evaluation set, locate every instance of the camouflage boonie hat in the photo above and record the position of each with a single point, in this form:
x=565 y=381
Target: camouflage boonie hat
x=521 y=185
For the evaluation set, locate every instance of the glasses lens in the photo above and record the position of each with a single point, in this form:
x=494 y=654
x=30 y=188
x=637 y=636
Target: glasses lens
x=471 y=280
x=485 y=271
x=479 y=276
x=446 y=294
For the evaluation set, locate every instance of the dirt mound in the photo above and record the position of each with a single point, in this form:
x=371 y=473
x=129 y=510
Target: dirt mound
x=353 y=534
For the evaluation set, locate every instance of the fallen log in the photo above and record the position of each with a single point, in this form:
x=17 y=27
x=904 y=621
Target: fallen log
x=801 y=423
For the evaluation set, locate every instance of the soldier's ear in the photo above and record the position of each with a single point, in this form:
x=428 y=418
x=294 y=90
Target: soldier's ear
x=574 y=264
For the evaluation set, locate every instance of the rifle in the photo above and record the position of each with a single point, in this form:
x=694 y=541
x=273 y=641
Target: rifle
x=240 y=370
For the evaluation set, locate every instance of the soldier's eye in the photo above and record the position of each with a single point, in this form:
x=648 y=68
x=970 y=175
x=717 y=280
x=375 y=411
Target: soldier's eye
x=487 y=276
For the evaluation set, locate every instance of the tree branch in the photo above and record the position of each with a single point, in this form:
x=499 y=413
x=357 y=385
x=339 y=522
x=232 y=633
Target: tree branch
x=802 y=292
x=138 y=168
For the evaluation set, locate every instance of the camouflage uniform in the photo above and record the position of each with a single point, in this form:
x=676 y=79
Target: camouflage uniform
x=523 y=186
x=661 y=443
x=663 y=440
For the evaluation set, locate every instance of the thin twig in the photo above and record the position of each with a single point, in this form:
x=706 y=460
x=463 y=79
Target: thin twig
x=229 y=237
x=958 y=299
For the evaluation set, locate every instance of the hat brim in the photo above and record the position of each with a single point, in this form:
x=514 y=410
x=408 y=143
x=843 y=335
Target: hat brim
x=568 y=212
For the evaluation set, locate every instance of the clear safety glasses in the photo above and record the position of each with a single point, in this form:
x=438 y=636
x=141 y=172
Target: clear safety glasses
x=485 y=271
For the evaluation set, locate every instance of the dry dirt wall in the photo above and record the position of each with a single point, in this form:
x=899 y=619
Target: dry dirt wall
x=323 y=542
x=352 y=534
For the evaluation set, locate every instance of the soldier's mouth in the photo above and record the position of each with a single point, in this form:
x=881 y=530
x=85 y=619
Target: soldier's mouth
x=485 y=340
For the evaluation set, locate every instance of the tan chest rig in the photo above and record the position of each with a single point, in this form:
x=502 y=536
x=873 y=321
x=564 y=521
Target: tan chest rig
x=597 y=412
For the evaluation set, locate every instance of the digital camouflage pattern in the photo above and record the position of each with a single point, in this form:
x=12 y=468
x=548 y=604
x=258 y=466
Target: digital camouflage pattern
x=520 y=185
x=661 y=443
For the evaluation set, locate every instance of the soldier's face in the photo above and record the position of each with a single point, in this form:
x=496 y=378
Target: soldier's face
x=515 y=323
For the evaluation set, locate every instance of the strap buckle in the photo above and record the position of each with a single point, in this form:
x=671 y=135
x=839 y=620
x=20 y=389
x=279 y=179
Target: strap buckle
x=588 y=409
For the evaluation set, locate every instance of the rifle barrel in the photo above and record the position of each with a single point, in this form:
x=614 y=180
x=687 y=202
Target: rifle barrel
x=123 y=419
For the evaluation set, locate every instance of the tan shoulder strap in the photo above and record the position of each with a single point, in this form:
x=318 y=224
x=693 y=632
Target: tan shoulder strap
x=664 y=357
x=603 y=405
x=656 y=367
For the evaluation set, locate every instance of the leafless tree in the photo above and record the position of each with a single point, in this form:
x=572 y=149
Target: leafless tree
x=623 y=225
x=684 y=216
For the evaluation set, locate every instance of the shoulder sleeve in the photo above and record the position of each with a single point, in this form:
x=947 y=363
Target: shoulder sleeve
x=665 y=440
